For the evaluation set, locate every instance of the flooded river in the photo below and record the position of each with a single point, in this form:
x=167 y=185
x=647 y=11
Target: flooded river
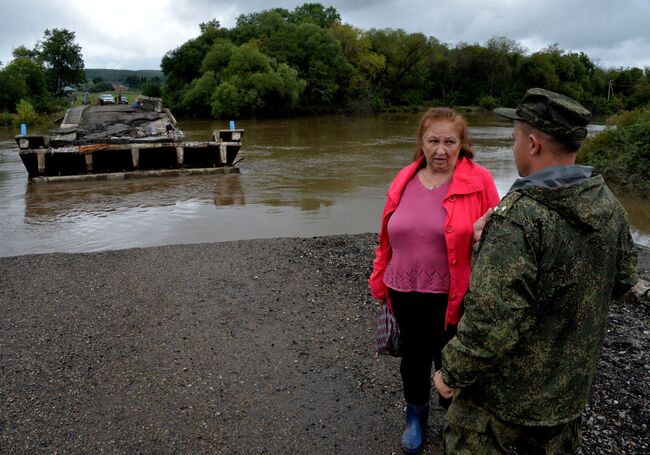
x=299 y=178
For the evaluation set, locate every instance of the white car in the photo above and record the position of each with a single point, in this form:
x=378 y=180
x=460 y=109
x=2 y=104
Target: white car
x=106 y=98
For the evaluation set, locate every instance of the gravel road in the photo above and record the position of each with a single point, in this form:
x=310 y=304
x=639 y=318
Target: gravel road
x=249 y=347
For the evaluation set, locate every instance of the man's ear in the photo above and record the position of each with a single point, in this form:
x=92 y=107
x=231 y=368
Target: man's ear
x=534 y=144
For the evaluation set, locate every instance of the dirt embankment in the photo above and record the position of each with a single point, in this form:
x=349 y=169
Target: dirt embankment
x=241 y=347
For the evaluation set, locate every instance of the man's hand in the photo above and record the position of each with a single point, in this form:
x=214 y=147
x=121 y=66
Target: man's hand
x=443 y=390
x=480 y=223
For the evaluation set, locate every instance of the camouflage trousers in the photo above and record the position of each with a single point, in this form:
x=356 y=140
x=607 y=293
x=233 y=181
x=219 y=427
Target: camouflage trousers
x=472 y=430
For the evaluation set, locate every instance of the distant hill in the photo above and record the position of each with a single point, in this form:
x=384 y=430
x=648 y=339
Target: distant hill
x=120 y=76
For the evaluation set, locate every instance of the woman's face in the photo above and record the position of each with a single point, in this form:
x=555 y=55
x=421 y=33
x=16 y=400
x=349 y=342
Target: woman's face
x=441 y=145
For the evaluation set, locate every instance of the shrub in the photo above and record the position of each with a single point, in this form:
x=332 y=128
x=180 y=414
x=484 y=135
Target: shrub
x=622 y=151
x=5 y=118
x=26 y=113
x=488 y=102
x=151 y=88
x=101 y=87
x=451 y=98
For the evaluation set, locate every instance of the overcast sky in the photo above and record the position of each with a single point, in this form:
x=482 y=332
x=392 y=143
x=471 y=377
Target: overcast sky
x=135 y=34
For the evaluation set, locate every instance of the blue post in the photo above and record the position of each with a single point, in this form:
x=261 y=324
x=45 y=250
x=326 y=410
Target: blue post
x=23 y=129
x=232 y=124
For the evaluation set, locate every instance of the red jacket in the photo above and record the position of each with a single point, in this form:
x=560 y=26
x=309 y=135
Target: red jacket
x=471 y=193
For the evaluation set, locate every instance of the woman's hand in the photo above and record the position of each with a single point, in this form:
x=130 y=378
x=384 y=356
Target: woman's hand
x=480 y=223
x=443 y=390
x=380 y=302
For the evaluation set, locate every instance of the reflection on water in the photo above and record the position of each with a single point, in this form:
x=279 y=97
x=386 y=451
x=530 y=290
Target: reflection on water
x=299 y=177
x=228 y=190
x=46 y=202
x=638 y=213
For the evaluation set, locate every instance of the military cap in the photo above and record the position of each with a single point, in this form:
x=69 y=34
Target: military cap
x=553 y=113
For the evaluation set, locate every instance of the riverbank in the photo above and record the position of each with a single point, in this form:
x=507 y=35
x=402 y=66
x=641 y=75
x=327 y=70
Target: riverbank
x=261 y=346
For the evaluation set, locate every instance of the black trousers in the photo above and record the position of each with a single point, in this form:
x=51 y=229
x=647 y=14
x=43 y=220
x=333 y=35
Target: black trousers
x=421 y=320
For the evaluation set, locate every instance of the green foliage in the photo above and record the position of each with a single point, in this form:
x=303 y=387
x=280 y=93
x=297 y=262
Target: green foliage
x=182 y=65
x=488 y=102
x=26 y=113
x=320 y=63
x=280 y=61
x=315 y=13
x=33 y=78
x=227 y=100
x=505 y=56
x=12 y=88
x=218 y=57
x=345 y=68
x=134 y=82
x=131 y=78
x=100 y=87
x=622 y=151
x=404 y=76
x=252 y=83
x=62 y=59
x=23 y=52
x=5 y=118
x=198 y=98
x=640 y=95
x=366 y=65
x=23 y=79
x=152 y=88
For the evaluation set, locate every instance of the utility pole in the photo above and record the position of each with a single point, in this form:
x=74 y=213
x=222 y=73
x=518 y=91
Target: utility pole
x=610 y=89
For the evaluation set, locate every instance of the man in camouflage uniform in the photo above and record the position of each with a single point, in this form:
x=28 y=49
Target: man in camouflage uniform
x=552 y=256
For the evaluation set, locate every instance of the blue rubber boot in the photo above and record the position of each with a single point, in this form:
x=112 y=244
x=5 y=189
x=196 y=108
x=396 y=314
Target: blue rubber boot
x=416 y=425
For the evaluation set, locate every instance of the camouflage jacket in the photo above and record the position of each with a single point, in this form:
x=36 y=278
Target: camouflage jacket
x=551 y=258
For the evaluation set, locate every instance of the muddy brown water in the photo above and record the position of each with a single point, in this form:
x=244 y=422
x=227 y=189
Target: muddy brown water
x=300 y=177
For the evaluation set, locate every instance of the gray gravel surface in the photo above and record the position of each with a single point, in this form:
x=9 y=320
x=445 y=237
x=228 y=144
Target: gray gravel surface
x=263 y=346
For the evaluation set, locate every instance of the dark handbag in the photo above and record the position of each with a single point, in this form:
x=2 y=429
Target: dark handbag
x=388 y=338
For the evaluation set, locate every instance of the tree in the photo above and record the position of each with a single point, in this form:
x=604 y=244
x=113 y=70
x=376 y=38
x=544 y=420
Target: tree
x=641 y=94
x=62 y=59
x=316 y=14
x=12 y=89
x=345 y=67
x=100 y=87
x=23 y=52
x=151 y=88
x=539 y=71
x=301 y=39
x=206 y=26
x=472 y=64
x=404 y=78
x=505 y=55
x=133 y=81
x=23 y=78
x=26 y=113
x=198 y=97
x=320 y=62
x=366 y=65
x=183 y=64
x=218 y=57
x=253 y=83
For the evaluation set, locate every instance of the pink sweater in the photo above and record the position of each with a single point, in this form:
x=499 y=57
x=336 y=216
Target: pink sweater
x=417 y=235
x=471 y=193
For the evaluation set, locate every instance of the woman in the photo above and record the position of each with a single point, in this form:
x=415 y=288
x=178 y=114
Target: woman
x=422 y=264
